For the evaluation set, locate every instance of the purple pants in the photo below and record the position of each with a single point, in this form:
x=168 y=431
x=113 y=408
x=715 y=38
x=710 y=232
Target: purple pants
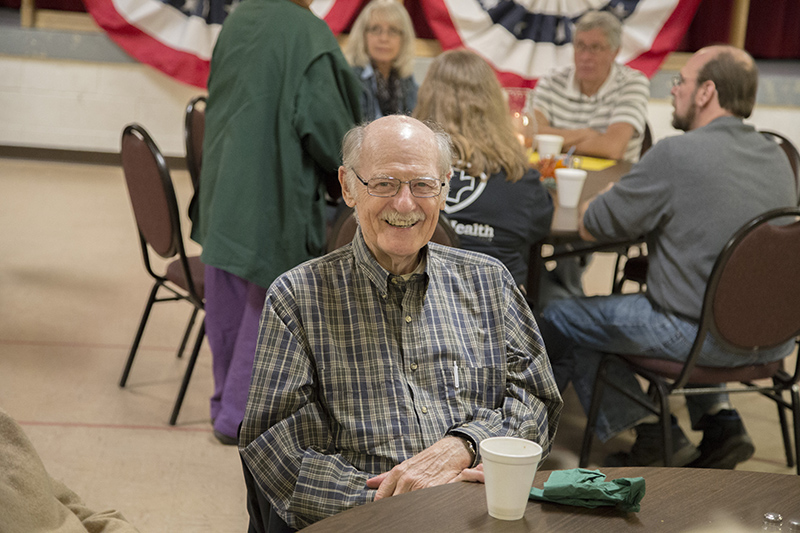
x=233 y=311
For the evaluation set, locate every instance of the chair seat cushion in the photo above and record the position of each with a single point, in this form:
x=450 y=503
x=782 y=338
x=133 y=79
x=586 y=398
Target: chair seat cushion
x=705 y=374
x=196 y=269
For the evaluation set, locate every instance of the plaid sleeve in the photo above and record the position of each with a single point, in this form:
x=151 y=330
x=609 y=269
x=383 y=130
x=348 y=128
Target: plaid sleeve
x=531 y=406
x=286 y=430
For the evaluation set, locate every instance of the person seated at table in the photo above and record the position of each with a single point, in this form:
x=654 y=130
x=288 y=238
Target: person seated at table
x=381 y=366
x=381 y=51
x=600 y=108
x=597 y=105
x=688 y=195
x=496 y=204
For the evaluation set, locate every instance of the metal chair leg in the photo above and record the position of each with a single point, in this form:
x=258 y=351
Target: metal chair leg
x=188 y=374
x=188 y=332
x=142 y=323
x=795 y=392
x=666 y=424
x=787 y=439
x=594 y=410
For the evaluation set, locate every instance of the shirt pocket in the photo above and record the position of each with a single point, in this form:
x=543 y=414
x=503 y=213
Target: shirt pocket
x=474 y=388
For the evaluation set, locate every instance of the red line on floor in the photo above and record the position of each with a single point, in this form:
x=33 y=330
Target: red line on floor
x=86 y=345
x=110 y=426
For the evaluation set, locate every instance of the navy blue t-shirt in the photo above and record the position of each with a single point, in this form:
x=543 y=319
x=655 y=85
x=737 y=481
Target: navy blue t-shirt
x=500 y=218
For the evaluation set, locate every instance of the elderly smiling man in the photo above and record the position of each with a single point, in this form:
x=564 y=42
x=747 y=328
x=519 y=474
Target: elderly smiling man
x=381 y=366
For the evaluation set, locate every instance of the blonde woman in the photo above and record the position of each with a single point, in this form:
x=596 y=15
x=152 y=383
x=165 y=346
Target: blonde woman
x=381 y=51
x=496 y=203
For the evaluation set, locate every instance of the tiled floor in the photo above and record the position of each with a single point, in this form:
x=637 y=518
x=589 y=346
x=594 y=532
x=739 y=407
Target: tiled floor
x=72 y=288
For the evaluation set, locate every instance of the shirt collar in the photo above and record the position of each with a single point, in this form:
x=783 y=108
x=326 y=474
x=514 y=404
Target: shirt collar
x=368 y=72
x=378 y=275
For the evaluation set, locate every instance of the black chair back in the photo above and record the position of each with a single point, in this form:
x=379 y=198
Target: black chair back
x=791 y=152
x=754 y=290
x=193 y=131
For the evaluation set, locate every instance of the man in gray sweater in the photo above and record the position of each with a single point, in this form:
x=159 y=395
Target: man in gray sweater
x=688 y=195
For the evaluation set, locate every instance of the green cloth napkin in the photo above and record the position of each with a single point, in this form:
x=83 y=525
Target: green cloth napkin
x=588 y=488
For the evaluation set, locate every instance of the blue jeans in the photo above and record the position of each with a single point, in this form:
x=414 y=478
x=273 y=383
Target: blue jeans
x=630 y=324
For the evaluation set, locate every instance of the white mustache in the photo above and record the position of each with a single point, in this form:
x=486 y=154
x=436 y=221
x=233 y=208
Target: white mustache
x=396 y=219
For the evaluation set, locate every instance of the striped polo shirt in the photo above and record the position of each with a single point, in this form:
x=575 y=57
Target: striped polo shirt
x=622 y=98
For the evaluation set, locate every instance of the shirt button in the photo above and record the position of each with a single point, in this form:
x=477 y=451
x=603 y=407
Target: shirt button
x=424 y=410
x=408 y=319
x=413 y=366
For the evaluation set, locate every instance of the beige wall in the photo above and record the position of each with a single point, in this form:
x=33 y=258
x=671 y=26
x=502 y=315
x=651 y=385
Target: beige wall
x=81 y=105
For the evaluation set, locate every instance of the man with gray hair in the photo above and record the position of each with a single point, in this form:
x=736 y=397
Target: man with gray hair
x=381 y=366
x=597 y=105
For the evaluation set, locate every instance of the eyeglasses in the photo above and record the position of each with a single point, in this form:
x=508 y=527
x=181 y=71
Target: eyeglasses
x=678 y=80
x=591 y=48
x=391 y=31
x=386 y=187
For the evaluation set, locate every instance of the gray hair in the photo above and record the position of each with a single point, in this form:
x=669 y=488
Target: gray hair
x=396 y=15
x=354 y=139
x=611 y=26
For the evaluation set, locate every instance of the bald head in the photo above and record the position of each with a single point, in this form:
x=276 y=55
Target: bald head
x=734 y=74
x=383 y=136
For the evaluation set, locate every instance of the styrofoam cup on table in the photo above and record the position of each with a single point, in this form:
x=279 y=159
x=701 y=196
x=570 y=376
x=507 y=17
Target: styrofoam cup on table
x=549 y=145
x=509 y=465
x=569 y=185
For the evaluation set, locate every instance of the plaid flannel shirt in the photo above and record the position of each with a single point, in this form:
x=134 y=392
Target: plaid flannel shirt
x=357 y=370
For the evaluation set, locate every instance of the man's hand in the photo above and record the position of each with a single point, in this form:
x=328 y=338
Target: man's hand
x=441 y=463
x=472 y=475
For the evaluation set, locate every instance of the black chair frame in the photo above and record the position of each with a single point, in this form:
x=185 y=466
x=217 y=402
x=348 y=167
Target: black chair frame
x=193 y=131
x=791 y=152
x=668 y=378
x=178 y=282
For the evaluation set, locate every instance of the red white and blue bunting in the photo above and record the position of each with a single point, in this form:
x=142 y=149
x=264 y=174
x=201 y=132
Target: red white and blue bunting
x=522 y=39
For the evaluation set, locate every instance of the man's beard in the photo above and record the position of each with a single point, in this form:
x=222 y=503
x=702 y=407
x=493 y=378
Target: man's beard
x=684 y=123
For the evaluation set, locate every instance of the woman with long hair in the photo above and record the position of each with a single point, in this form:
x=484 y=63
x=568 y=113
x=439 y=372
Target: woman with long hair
x=496 y=204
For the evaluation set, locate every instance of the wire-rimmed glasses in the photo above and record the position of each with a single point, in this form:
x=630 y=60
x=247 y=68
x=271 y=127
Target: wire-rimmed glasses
x=387 y=186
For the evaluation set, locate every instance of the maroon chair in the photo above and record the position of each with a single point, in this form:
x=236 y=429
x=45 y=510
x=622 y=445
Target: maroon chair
x=155 y=209
x=752 y=301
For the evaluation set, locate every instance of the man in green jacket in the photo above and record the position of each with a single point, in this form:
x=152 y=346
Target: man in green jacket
x=281 y=97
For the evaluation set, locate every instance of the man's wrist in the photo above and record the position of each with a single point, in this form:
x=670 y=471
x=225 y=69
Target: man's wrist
x=469 y=445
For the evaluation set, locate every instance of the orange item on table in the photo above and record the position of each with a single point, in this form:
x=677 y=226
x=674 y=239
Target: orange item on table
x=548 y=165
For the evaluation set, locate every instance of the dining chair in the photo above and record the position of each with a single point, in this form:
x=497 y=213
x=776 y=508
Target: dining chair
x=155 y=209
x=194 y=125
x=751 y=302
x=345 y=224
x=791 y=152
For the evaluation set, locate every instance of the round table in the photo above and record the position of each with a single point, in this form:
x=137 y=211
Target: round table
x=676 y=499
